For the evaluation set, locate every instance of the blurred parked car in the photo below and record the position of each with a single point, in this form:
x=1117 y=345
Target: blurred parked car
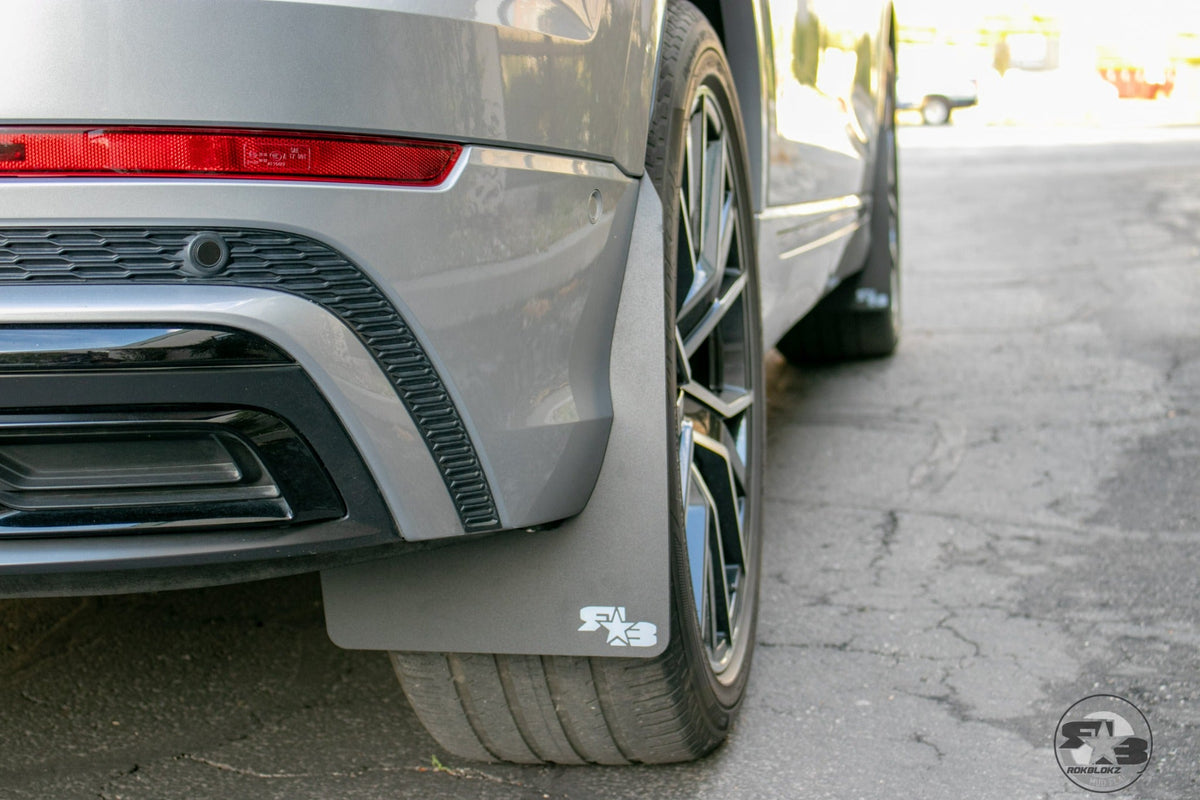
x=1139 y=82
x=935 y=95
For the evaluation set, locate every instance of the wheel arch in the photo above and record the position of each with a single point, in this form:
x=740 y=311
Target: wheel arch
x=739 y=27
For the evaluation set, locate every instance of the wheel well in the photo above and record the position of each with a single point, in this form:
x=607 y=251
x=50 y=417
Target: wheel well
x=712 y=10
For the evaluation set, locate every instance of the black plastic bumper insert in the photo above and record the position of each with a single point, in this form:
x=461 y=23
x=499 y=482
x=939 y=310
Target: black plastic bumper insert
x=154 y=471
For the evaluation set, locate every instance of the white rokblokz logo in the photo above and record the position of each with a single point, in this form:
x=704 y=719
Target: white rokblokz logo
x=1103 y=743
x=620 y=632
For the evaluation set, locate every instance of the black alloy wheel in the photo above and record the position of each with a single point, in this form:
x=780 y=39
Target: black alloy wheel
x=716 y=357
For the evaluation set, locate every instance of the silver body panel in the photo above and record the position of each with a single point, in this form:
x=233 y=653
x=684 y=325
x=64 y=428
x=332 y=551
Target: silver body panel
x=806 y=242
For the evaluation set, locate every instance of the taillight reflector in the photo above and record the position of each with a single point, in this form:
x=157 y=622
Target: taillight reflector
x=214 y=153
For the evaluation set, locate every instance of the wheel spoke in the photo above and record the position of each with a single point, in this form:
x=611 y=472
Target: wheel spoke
x=733 y=400
x=713 y=204
x=683 y=367
x=728 y=228
x=697 y=141
x=723 y=602
x=720 y=598
x=696 y=526
x=703 y=282
x=689 y=238
x=716 y=312
x=712 y=636
x=734 y=455
x=706 y=205
x=686 y=446
x=714 y=462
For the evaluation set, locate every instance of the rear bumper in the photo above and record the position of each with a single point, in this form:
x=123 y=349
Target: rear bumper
x=507 y=278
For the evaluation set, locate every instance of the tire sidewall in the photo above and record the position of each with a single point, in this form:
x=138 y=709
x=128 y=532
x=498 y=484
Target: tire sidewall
x=941 y=111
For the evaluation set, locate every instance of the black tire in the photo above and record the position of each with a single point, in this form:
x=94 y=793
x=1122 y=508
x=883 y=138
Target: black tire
x=838 y=328
x=935 y=111
x=679 y=705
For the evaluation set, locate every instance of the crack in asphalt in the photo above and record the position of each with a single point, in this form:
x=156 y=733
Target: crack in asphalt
x=943 y=624
x=957 y=709
x=1087 y=532
x=941 y=465
x=462 y=773
x=920 y=738
x=888 y=529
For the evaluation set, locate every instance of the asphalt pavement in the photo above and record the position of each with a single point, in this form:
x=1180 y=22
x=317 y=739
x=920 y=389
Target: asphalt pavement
x=962 y=541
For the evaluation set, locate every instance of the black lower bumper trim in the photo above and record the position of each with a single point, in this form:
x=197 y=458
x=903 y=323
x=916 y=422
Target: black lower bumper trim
x=251 y=403
x=133 y=471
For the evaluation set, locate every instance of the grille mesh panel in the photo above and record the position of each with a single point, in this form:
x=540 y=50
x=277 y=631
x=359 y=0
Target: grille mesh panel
x=287 y=263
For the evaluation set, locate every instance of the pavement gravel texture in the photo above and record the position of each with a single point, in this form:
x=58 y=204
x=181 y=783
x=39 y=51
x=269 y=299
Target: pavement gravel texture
x=962 y=541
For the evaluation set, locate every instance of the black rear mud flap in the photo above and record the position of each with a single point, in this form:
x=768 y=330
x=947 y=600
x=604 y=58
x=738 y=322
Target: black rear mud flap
x=597 y=585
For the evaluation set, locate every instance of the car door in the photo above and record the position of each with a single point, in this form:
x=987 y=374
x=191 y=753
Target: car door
x=821 y=118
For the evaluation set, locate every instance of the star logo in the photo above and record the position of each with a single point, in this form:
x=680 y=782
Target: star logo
x=1103 y=745
x=620 y=633
x=618 y=628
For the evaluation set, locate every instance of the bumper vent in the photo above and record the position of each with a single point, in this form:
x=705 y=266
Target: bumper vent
x=287 y=263
x=86 y=475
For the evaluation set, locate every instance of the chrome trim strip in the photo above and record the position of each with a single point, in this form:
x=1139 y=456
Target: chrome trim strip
x=78 y=347
x=850 y=202
x=841 y=232
x=541 y=162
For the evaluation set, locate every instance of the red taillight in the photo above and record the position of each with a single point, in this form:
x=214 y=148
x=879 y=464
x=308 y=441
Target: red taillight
x=213 y=153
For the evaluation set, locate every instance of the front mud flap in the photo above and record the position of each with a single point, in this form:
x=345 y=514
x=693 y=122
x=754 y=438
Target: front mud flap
x=598 y=585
